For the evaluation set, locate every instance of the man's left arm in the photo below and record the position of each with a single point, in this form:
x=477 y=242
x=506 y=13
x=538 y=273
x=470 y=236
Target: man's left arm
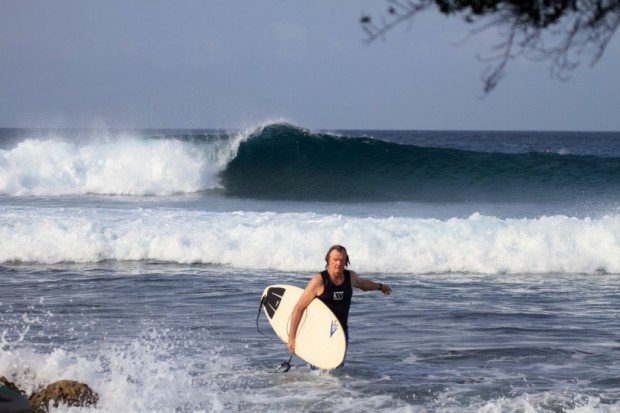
x=368 y=285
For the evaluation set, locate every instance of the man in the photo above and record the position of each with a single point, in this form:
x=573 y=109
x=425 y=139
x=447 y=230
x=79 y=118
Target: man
x=334 y=287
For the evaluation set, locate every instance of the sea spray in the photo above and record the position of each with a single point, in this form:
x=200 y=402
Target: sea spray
x=125 y=165
x=142 y=375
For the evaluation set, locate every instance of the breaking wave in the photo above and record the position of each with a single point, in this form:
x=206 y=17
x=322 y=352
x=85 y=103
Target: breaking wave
x=282 y=161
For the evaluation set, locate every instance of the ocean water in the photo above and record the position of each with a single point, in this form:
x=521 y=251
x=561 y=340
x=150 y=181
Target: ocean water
x=134 y=261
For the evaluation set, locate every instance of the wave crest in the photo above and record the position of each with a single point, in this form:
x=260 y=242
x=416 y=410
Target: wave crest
x=297 y=241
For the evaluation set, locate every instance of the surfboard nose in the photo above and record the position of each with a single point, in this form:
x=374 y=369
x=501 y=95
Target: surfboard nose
x=272 y=299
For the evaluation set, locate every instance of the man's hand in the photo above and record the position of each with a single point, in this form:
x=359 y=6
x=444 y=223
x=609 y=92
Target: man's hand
x=386 y=289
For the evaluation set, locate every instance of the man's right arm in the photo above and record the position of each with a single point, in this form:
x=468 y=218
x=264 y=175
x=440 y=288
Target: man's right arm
x=313 y=289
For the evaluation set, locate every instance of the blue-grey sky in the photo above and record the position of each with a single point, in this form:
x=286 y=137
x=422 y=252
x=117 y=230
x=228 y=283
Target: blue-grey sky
x=231 y=64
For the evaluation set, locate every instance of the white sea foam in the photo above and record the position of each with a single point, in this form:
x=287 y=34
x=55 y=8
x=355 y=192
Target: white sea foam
x=160 y=371
x=143 y=375
x=146 y=375
x=125 y=165
x=117 y=164
x=548 y=401
x=297 y=241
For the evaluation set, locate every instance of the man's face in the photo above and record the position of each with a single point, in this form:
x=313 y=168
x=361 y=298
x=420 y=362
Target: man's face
x=337 y=261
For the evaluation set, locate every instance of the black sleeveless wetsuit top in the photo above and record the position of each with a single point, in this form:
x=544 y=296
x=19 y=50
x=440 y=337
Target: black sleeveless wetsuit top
x=338 y=298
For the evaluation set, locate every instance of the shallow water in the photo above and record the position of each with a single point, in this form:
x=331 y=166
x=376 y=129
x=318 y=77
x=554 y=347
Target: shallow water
x=170 y=337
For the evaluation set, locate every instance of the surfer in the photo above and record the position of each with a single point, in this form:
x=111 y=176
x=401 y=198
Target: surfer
x=334 y=287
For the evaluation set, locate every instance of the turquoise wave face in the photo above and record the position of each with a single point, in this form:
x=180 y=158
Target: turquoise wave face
x=286 y=162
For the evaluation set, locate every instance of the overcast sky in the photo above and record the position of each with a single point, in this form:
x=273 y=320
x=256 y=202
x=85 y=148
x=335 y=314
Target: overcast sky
x=231 y=64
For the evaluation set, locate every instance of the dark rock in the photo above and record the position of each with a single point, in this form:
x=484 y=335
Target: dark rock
x=71 y=393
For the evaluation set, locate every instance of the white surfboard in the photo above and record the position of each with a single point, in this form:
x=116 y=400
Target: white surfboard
x=320 y=338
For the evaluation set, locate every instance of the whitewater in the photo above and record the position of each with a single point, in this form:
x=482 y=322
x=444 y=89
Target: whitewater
x=133 y=261
x=112 y=164
x=268 y=240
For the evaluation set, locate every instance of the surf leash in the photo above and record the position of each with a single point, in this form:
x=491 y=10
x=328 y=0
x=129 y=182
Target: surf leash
x=284 y=365
x=260 y=307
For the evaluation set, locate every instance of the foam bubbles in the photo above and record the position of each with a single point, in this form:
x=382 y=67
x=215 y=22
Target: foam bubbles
x=297 y=241
x=548 y=401
x=146 y=374
x=124 y=165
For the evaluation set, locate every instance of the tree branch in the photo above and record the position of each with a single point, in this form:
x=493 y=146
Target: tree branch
x=559 y=31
